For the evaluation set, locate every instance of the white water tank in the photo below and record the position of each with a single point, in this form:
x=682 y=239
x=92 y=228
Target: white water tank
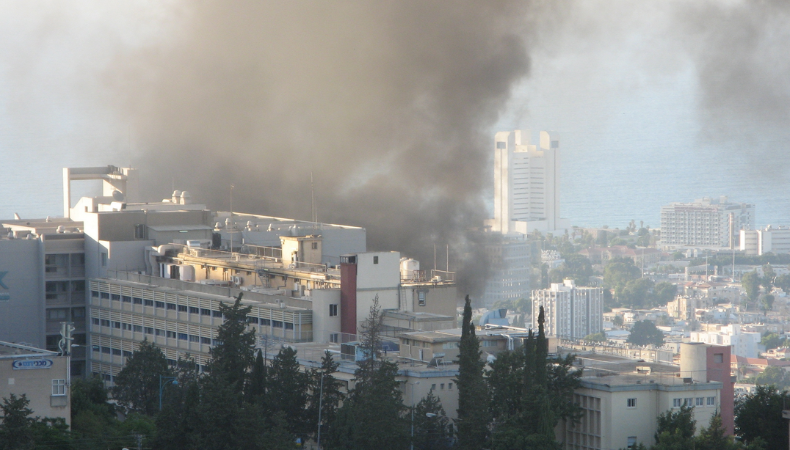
x=407 y=268
x=176 y=198
x=186 y=272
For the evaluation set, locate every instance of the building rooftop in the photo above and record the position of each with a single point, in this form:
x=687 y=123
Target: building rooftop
x=10 y=350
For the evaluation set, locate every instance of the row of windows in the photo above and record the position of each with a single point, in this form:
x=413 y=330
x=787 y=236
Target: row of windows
x=156 y=304
x=449 y=386
x=270 y=323
x=151 y=331
x=690 y=401
x=63 y=313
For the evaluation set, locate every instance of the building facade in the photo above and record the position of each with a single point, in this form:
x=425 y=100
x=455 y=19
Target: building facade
x=767 y=240
x=509 y=269
x=526 y=183
x=42 y=283
x=706 y=222
x=42 y=376
x=570 y=312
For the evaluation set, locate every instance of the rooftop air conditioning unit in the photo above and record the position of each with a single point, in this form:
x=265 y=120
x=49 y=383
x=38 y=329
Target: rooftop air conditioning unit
x=237 y=280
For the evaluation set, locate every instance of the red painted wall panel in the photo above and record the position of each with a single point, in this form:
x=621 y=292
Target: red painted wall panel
x=721 y=372
x=348 y=298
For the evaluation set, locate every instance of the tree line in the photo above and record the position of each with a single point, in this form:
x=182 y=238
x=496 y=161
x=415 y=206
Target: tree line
x=243 y=401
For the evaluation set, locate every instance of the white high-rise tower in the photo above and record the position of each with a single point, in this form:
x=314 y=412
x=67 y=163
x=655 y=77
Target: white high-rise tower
x=527 y=183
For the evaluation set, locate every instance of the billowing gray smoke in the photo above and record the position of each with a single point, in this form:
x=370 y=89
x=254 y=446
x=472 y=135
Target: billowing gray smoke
x=388 y=103
x=739 y=50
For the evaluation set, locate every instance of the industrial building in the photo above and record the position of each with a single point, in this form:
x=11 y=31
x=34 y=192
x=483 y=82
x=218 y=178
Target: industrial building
x=706 y=222
x=571 y=312
x=126 y=271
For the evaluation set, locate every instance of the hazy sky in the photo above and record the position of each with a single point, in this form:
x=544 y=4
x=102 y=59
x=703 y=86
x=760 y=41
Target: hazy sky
x=393 y=105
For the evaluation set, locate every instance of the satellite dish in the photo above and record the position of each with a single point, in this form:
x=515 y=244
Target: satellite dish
x=117 y=195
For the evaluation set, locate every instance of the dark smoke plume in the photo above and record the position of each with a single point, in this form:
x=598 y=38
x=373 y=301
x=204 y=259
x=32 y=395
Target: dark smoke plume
x=388 y=103
x=740 y=50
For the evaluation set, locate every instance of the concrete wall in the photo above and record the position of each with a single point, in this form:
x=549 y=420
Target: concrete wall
x=323 y=323
x=439 y=299
x=22 y=317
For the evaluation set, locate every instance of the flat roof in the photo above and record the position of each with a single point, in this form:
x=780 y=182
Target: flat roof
x=9 y=350
x=179 y=227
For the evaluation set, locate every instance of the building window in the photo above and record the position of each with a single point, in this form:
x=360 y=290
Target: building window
x=711 y=401
x=171 y=306
x=137 y=328
x=450 y=386
x=314 y=246
x=375 y=260
x=700 y=401
x=148 y=302
x=333 y=337
x=332 y=310
x=182 y=308
x=421 y=298
x=149 y=330
x=193 y=310
x=677 y=402
x=205 y=312
x=631 y=442
x=182 y=336
x=718 y=357
x=205 y=340
x=159 y=304
x=433 y=386
x=58 y=387
x=139 y=231
x=441 y=386
x=631 y=403
x=56 y=314
x=104 y=259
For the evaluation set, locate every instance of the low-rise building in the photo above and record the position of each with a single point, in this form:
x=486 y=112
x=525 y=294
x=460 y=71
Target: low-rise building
x=743 y=343
x=622 y=399
x=769 y=239
x=41 y=375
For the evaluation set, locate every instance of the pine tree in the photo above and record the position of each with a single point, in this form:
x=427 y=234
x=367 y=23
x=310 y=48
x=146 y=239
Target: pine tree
x=326 y=393
x=431 y=432
x=372 y=417
x=137 y=384
x=234 y=353
x=287 y=393
x=224 y=420
x=256 y=389
x=16 y=425
x=473 y=417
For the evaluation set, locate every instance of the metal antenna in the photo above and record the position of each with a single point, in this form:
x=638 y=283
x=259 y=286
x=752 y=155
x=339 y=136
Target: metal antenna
x=313 y=211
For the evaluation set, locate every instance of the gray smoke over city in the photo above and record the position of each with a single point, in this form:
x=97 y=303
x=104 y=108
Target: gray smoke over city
x=391 y=105
x=387 y=104
x=739 y=50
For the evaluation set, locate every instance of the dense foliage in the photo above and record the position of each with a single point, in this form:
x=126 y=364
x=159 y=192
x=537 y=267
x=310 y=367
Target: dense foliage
x=645 y=333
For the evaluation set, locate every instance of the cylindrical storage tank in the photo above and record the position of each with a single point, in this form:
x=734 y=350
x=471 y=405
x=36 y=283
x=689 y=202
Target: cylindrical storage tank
x=407 y=268
x=187 y=272
x=186 y=198
x=694 y=361
x=176 y=196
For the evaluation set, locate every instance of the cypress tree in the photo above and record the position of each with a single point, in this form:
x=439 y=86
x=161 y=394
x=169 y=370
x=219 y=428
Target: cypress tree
x=473 y=416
